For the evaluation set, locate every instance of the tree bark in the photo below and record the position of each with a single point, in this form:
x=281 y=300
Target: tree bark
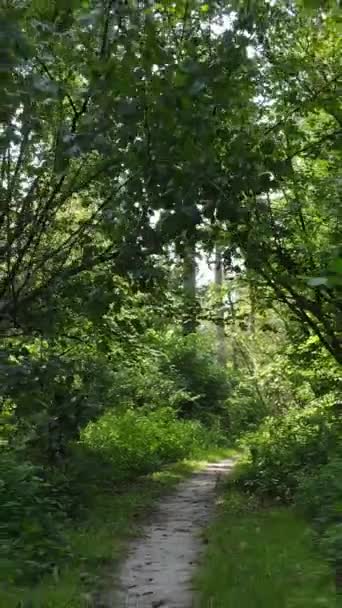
x=189 y=286
x=219 y=280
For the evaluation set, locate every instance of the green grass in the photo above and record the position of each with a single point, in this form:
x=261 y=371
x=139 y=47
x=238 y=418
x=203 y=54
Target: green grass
x=262 y=558
x=98 y=544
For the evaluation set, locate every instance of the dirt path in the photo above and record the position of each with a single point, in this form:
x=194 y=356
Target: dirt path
x=160 y=564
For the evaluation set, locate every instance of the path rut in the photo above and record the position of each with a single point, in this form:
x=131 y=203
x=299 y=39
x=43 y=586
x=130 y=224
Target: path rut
x=160 y=565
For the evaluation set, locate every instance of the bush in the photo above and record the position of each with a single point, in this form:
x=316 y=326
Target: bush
x=139 y=441
x=331 y=544
x=245 y=406
x=299 y=457
x=283 y=448
x=192 y=361
x=319 y=497
x=142 y=383
x=31 y=518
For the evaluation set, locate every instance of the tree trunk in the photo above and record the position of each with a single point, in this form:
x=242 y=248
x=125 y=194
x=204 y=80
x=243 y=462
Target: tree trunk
x=219 y=277
x=189 y=285
x=252 y=308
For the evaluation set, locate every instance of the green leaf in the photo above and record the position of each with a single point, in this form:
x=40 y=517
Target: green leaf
x=318 y=281
x=336 y=265
x=197 y=87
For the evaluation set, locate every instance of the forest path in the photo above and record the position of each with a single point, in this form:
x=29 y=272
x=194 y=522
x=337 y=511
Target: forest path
x=160 y=565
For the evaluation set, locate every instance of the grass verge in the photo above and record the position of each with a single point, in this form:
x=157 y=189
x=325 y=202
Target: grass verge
x=98 y=543
x=260 y=557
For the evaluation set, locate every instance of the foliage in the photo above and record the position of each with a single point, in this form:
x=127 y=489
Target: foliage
x=192 y=361
x=122 y=156
x=99 y=537
x=245 y=409
x=263 y=556
x=298 y=457
x=271 y=366
x=87 y=163
x=36 y=506
x=319 y=496
x=32 y=520
x=285 y=447
x=137 y=442
x=331 y=544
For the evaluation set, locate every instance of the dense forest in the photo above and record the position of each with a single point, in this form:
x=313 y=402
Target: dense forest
x=170 y=285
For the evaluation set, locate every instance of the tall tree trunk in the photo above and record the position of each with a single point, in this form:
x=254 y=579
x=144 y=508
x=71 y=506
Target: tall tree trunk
x=252 y=308
x=189 y=285
x=233 y=326
x=219 y=278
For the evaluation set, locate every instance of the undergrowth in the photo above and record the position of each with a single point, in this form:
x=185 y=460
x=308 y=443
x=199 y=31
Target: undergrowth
x=262 y=557
x=296 y=459
x=97 y=543
x=138 y=441
x=287 y=446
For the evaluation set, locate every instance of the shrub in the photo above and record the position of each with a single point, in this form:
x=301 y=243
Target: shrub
x=319 y=494
x=31 y=518
x=193 y=363
x=139 y=441
x=319 y=497
x=331 y=543
x=142 y=383
x=283 y=448
x=245 y=406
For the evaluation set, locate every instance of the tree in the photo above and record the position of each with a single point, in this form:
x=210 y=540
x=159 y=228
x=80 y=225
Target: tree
x=220 y=321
